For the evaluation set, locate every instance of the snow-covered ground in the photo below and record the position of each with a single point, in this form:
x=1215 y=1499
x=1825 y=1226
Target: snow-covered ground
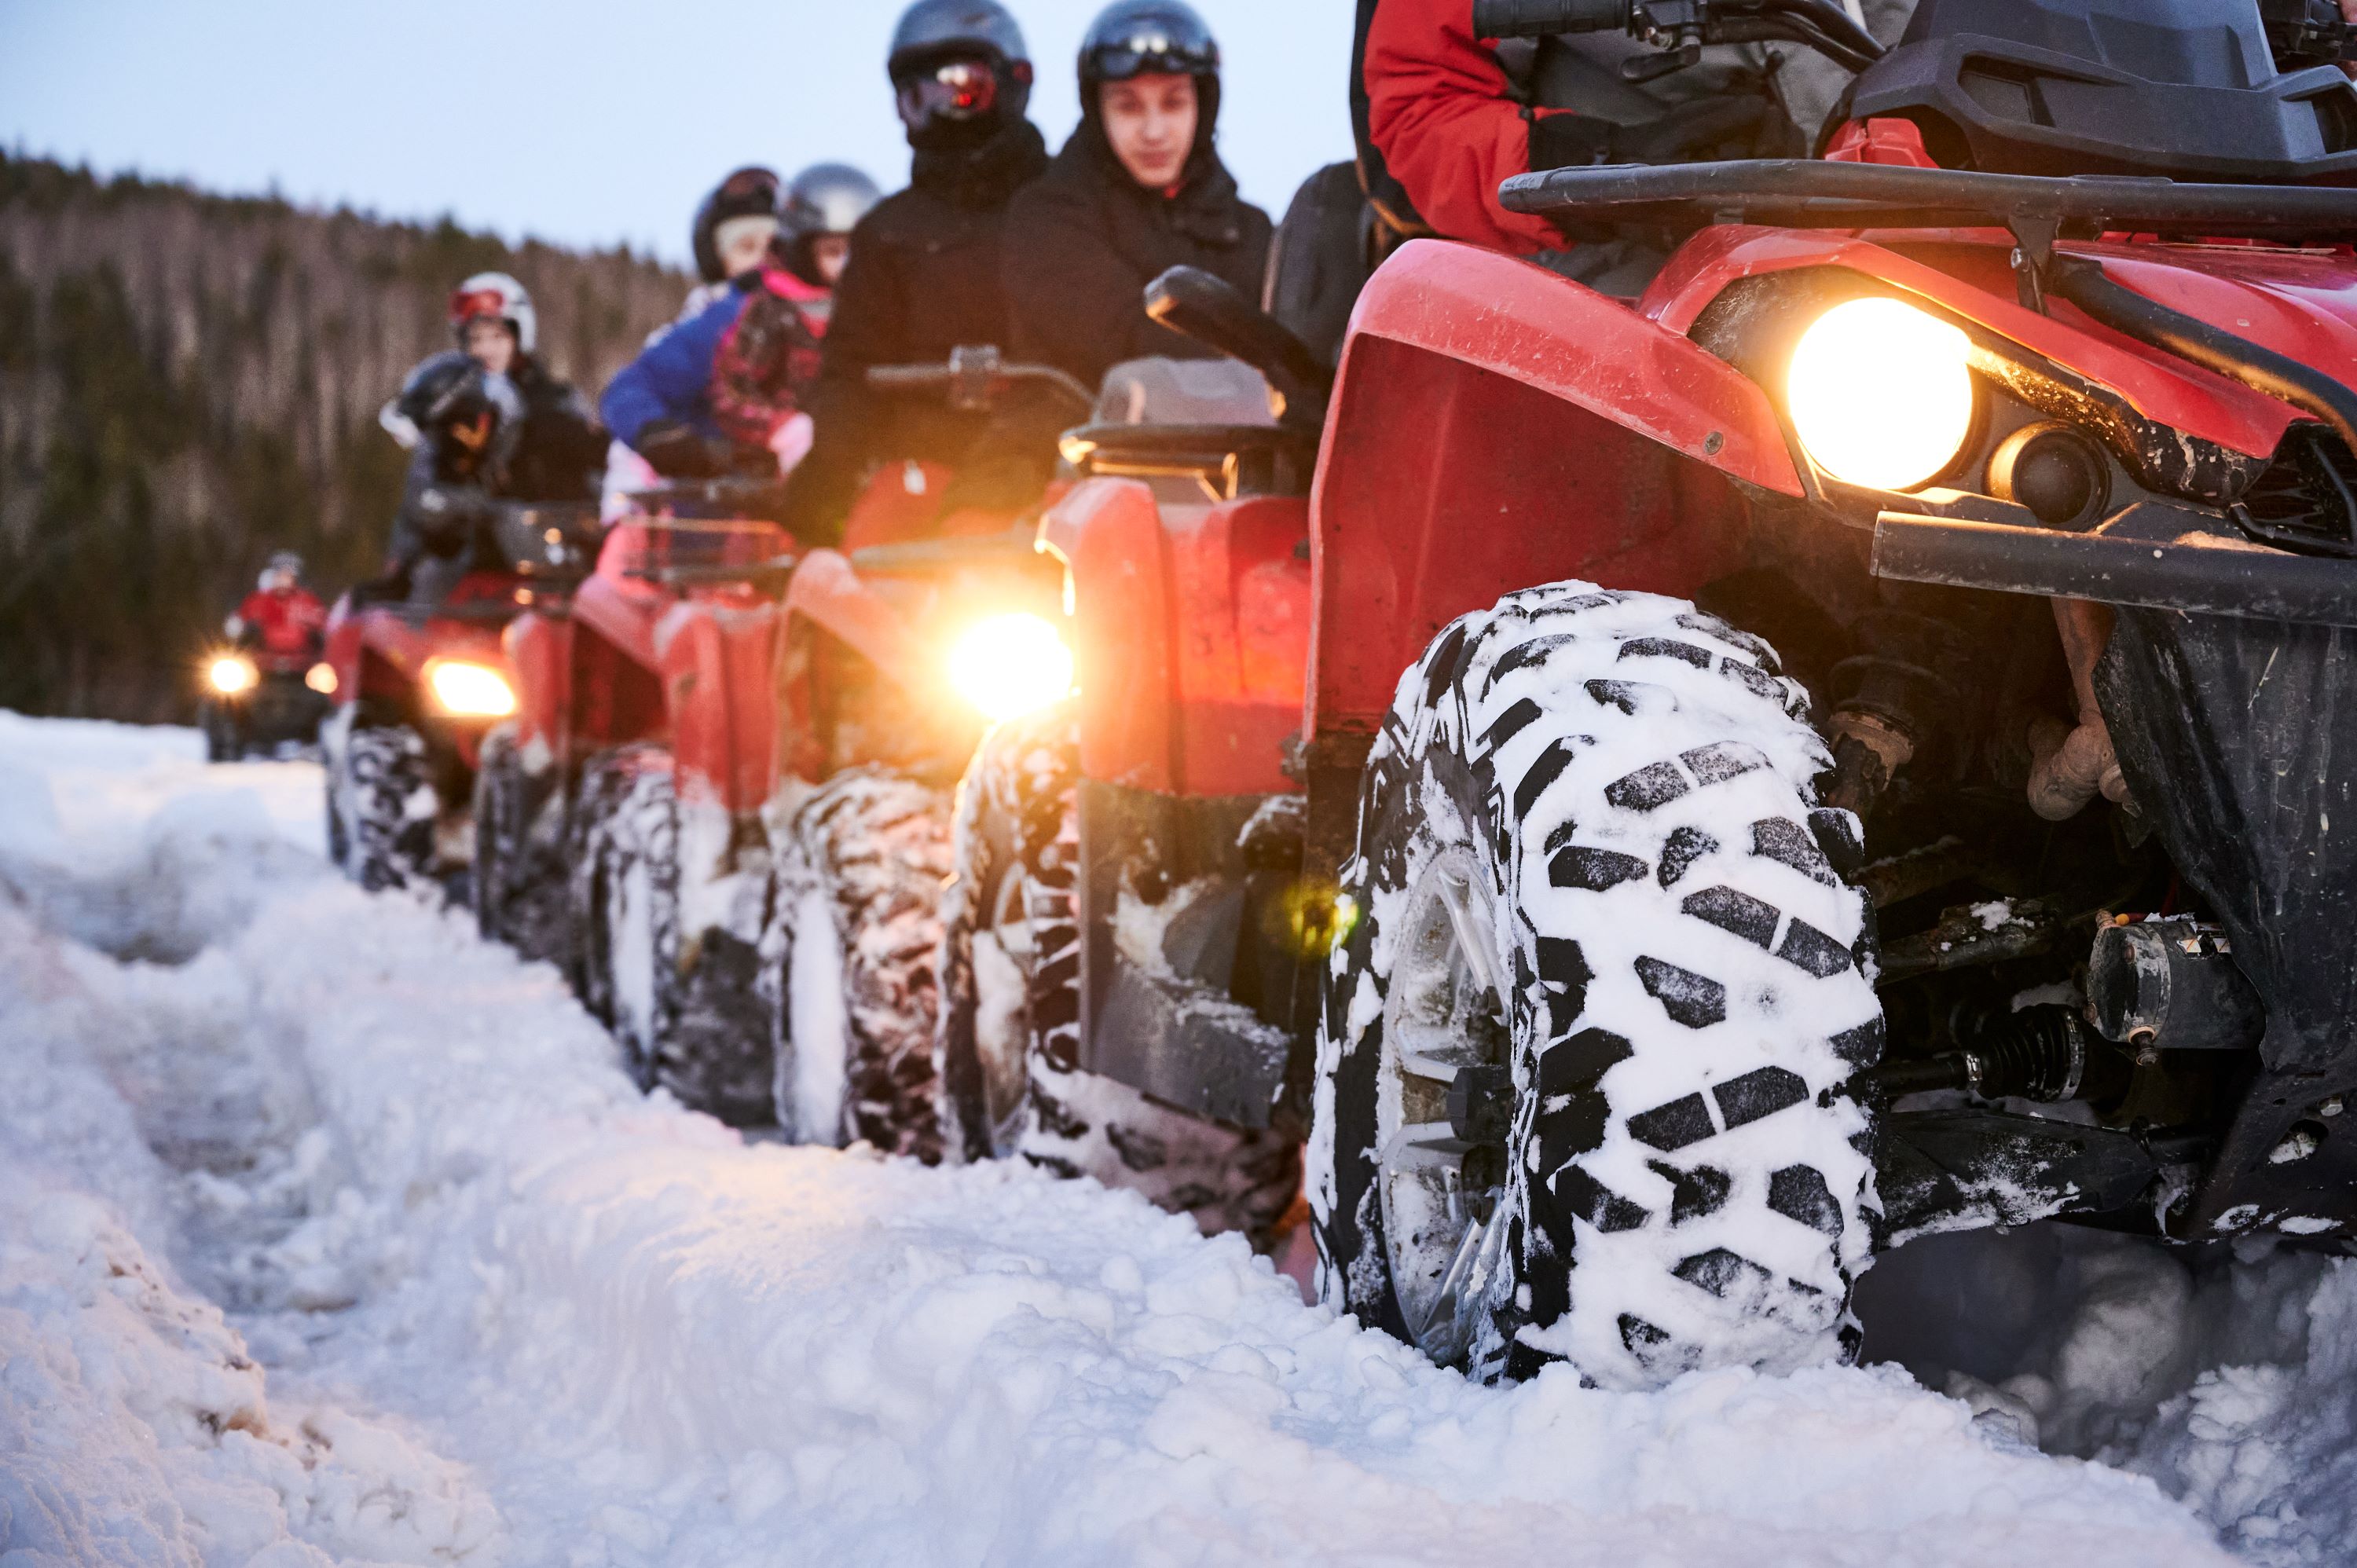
x=329 y=1233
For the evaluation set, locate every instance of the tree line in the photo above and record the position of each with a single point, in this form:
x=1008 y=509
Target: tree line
x=190 y=381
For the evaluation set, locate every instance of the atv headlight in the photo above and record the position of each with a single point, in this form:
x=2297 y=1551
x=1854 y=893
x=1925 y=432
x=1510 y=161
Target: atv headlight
x=464 y=690
x=321 y=678
x=1010 y=664
x=1881 y=394
x=232 y=675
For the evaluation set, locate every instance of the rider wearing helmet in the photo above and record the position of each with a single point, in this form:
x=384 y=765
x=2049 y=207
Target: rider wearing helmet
x=280 y=621
x=556 y=450
x=732 y=231
x=724 y=390
x=464 y=422
x=1138 y=189
x=1443 y=119
x=924 y=276
x=766 y=362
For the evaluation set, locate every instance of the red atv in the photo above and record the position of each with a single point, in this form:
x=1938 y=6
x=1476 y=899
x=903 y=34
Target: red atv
x=1849 y=747
x=416 y=681
x=723 y=803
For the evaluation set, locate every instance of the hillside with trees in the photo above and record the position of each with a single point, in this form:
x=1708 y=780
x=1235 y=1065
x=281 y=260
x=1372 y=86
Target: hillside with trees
x=188 y=382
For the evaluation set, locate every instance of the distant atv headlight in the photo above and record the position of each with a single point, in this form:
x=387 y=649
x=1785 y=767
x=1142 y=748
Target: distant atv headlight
x=1010 y=665
x=321 y=678
x=232 y=675
x=463 y=690
x=1881 y=394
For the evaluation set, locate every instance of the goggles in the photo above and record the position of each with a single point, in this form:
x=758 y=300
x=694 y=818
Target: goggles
x=954 y=90
x=466 y=306
x=1152 y=52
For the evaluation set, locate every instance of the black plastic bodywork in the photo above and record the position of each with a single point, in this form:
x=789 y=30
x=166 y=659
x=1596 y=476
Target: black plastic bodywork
x=1208 y=1018
x=2186 y=88
x=2240 y=737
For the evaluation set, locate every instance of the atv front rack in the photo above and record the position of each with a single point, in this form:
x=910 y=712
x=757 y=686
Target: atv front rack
x=1810 y=193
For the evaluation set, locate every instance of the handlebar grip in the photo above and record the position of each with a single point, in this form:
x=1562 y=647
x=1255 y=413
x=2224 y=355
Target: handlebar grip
x=907 y=376
x=1542 y=18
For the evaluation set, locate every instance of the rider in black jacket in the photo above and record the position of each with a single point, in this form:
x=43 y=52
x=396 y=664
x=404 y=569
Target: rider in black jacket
x=1137 y=190
x=924 y=273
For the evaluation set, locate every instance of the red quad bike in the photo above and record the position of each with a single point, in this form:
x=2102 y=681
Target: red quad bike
x=616 y=814
x=1853 y=745
x=416 y=683
x=1146 y=835
x=723 y=803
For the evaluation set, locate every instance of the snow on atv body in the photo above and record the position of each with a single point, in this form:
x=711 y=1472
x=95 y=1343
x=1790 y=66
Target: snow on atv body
x=1634 y=1045
x=416 y=686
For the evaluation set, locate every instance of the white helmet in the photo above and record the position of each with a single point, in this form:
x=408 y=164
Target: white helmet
x=499 y=296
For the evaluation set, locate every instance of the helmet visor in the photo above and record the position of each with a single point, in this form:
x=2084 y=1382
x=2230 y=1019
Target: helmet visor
x=953 y=90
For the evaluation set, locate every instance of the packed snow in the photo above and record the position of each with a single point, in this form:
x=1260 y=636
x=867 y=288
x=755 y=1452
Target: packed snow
x=330 y=1234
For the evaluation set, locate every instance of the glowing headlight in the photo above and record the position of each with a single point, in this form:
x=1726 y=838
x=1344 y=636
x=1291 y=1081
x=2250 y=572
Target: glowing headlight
x=1880 y=393
x=1010 y=665
x=321 y=678
x=232 y=674
x=465 y=690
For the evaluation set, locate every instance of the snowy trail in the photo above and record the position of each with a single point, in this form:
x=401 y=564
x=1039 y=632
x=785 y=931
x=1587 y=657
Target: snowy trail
x=486 y=1305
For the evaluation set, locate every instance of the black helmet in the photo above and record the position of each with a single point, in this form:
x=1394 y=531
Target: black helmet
x=942 y=100
x=448 y=394
x=1147 y=37
x=933 y=29
x=1152 y=37
x=824 y=199
x=750 y=192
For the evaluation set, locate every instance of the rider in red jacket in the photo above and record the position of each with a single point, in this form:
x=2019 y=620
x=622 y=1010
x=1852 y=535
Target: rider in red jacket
x=1443 y=119
x=282 y=622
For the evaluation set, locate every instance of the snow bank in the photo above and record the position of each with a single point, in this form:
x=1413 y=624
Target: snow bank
x=510 y=1312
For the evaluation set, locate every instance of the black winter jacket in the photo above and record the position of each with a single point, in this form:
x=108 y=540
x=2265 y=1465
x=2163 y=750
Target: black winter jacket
x=1083 y=243
x=923 y=280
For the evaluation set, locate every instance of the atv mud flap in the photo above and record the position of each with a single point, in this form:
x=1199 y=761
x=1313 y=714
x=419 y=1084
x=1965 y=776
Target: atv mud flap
x=1184 y=994
x=2239 y=740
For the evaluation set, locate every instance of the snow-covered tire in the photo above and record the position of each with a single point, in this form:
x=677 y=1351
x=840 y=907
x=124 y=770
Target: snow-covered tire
x=382 y=809
x=684 y=1005
x=223 y=743
x=1009 y=1041
x=625 y=868
x=847 y=964
x=1603 y=803
x=521 y=885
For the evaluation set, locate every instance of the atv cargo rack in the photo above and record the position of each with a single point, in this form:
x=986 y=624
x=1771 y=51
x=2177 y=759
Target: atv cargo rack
x=1807 y=193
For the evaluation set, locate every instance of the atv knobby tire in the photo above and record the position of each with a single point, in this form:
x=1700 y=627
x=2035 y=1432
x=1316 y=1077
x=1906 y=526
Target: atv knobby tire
x=521 y=883
x=847 y=964
x=684 y=1005
x=1009 y=1043
x=382 y=809
x=1600 y=804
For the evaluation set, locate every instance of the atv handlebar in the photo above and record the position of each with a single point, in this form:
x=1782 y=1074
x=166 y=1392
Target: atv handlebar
x=1680 y=28
x=975 y=377
x=1542 y=18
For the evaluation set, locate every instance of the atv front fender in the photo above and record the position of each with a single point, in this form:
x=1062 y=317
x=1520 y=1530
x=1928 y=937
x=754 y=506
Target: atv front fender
x=1495 y=426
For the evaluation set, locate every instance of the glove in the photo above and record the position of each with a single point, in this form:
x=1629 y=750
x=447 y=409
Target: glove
x=790 y=442
x=675 y=452
x=1686 y=132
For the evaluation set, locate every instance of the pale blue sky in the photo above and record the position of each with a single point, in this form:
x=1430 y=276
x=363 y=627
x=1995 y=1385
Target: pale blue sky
x=584 y=121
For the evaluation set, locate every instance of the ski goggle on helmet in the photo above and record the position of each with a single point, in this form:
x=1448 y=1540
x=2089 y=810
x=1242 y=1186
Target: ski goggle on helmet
x=951 y=89
x=502 y=298
x=1149 y=37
